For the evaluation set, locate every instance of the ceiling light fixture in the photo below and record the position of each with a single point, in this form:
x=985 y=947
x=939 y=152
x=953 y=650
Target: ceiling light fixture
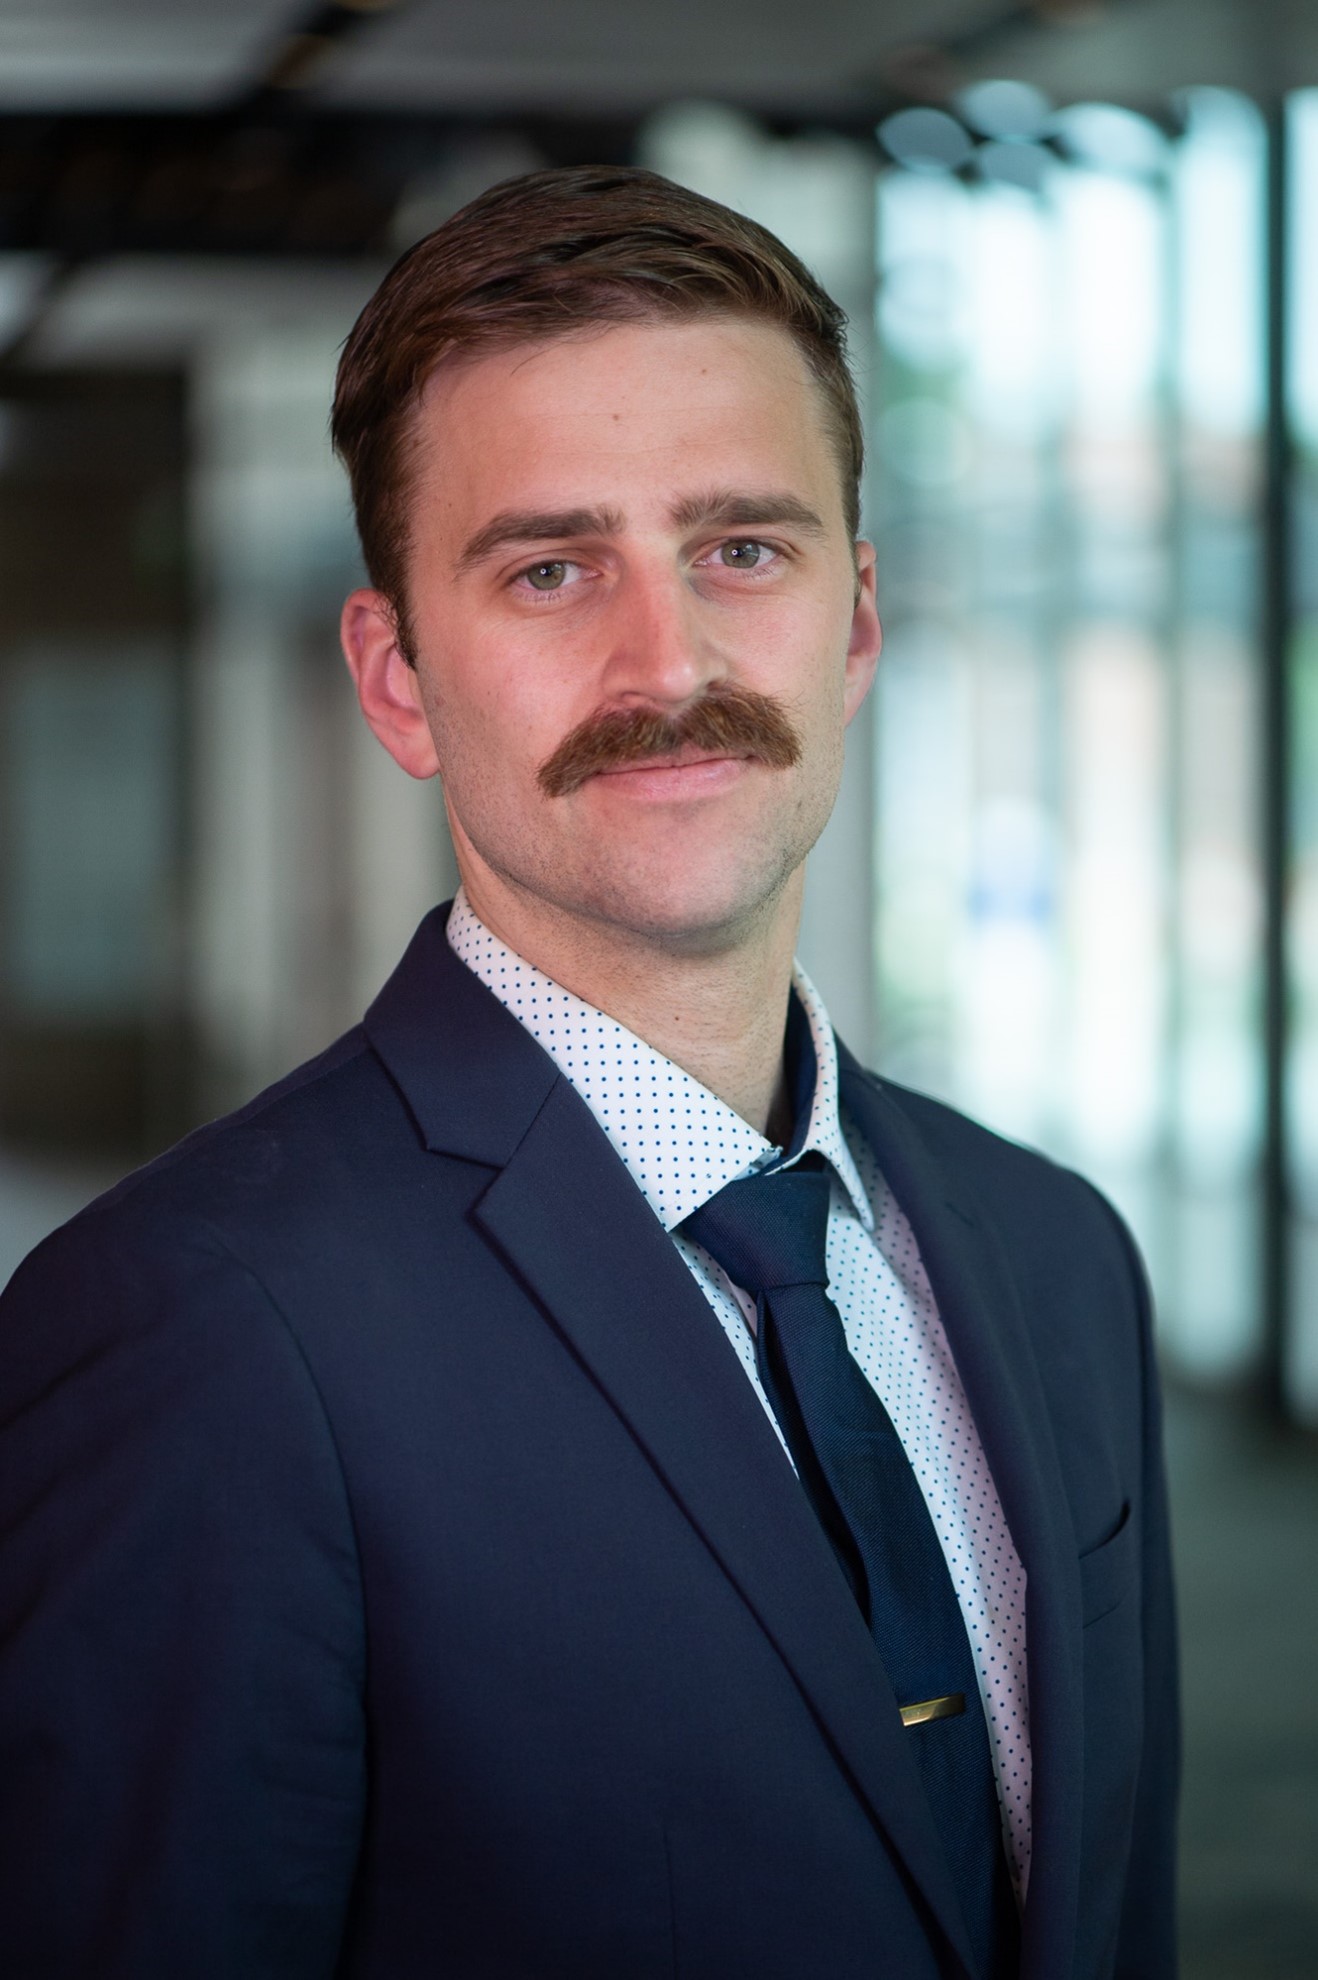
x=925 y=140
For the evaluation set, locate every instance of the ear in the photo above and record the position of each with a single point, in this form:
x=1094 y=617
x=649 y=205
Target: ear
x=387 y=686
x=866 y=633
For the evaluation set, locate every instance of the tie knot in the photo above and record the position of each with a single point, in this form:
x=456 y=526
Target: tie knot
x=769 y=1230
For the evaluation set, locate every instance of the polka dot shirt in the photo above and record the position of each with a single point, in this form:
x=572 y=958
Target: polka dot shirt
x=681 y=1145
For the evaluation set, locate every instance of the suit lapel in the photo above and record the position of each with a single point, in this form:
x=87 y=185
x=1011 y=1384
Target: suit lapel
x=980 y=1310
x=570 y=1223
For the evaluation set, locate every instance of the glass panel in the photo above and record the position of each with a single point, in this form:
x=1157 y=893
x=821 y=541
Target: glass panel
x=1216 y=1069
x=1302 y=1372
x=316 y=856
x=88 y=774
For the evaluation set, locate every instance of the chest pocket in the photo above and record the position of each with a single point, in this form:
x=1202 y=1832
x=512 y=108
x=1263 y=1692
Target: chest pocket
x=1107 y=1572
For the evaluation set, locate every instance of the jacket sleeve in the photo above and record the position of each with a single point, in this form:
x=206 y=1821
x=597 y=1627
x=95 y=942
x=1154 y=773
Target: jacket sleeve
x=181 y=1636
x=1147 y=1943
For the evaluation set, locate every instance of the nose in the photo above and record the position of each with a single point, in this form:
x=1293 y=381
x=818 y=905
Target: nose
x=661 y=649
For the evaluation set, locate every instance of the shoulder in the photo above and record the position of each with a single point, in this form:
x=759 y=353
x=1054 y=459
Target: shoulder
x=289 y=1156
x=1040 y=1258
x=244 y=1146
x=1050 y=1220
x=996 y=1160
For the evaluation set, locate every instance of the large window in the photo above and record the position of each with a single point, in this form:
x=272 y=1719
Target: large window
x=1067 y=446
x=1062 y=800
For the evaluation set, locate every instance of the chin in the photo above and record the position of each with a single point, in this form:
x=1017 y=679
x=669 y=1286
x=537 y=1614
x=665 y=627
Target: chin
x=698 y=913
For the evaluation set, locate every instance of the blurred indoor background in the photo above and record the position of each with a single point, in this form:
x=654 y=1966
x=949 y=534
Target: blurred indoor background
x=1072 y=883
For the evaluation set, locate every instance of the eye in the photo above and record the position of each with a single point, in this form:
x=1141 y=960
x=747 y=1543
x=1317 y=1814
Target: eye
x=744 y=554
x=550 y=574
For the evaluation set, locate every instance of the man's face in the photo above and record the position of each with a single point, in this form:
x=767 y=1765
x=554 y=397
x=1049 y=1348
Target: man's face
x=636 y=521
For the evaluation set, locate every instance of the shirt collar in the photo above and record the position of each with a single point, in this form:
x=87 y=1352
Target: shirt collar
x=679 y=1141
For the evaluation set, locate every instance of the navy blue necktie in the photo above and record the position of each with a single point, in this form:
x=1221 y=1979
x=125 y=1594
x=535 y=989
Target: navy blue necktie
x=768 y=1233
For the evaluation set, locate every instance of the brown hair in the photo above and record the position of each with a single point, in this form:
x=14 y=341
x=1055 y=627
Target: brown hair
x=543 y=255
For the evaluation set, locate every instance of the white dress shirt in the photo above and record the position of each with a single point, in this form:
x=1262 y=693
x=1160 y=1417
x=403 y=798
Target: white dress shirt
x=681 y=1144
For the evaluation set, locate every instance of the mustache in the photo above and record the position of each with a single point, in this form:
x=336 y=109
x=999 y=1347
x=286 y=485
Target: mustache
x=728 y=720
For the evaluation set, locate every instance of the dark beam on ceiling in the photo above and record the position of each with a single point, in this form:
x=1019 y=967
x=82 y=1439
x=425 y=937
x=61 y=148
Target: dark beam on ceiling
x=296 y=182
x=305 y=50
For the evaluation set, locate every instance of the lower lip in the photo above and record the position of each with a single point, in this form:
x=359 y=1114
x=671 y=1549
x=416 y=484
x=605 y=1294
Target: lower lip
x=658 y=781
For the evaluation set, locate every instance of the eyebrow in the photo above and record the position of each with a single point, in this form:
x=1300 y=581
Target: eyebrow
x=727 y=508
x=718 y=508
x=537 y=526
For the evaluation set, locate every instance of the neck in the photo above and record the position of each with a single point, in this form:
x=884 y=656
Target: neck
x=719 y=1014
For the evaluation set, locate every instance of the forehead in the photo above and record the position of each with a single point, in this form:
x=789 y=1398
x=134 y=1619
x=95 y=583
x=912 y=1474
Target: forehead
x=623 y=413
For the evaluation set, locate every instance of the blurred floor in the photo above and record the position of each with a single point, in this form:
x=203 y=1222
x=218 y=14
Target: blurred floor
x=1245 y=1507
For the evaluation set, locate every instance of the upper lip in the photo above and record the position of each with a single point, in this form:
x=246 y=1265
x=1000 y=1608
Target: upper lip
x=679 y=759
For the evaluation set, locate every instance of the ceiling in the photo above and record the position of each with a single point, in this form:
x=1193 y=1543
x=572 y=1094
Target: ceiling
x=139 y=137
x=830 y=59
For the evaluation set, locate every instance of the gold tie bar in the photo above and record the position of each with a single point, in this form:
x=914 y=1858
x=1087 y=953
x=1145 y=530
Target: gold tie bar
x=934 y=1708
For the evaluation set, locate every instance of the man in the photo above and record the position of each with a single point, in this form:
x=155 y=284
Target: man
x=581 y=1479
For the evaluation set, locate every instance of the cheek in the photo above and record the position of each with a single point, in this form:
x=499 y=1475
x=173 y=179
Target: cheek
x=807 y=670
x=495 y=721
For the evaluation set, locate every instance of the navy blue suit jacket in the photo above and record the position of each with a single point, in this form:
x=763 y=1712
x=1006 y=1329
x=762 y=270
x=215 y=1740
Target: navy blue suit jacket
x=399 y=1577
